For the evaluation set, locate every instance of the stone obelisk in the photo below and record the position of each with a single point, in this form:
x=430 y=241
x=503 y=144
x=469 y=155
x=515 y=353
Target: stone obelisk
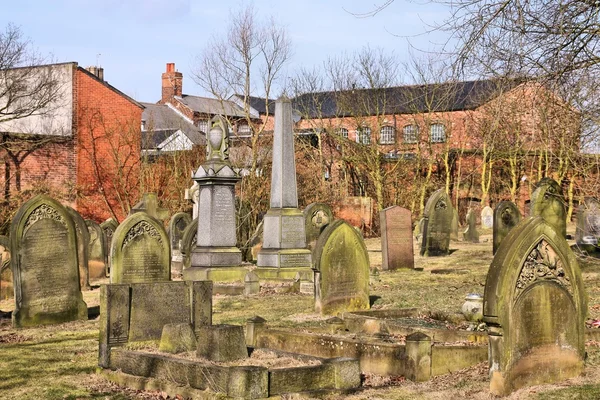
x=284 y=235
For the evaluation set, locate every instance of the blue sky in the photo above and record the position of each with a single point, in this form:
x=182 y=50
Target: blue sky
x=134 y=39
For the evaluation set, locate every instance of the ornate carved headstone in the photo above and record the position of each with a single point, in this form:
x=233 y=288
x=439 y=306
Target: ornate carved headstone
x=316 y=217
x=396 y=238
x=437 y=224
x=506 y=216
x=83 y=241
x=177 y=226
x=188 y=242
x=587 y=233
x=487 y=217
x=140 y=251
x=548 y=202
x=97 y=250
x=284 y=237
x=471 y=234
x=46 y=272
x=535 y=308
x=342 y=270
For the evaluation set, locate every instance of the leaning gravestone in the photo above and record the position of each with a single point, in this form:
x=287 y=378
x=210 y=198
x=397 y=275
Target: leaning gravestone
x=177 y=226
x=46 y=272
x=506 y=216
x=437 y=225
x=396 y=238
x=140 y=251
x=587 y=233
x=316 y=217
x=548 y=202
x=535 y=309
x=188 y=242
x=471 y=234
x=487 y=217
x=342 y=270
x=83 y=241
x=96 y=250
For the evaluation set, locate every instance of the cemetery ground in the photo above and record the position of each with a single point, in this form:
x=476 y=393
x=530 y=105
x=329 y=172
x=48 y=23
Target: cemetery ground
x=59 y=361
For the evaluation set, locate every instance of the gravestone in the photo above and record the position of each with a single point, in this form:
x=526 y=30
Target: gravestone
x=437 y=225
x=587 y=233
x=471 y=234
x=140 y=251
x=284 y=232
x=535 y=309
x=96 y=251
x=342 y=270
x=139 y=311
x=177 y=226
x=188 y=242
x=149 y=205
x=506 y=216
x=396 y=238
x=316 y=217
x=108 y=227
x=548 y=202
x=454 y=227
x=46 y=272
x=217 y=238
x=487 y=217
x=6 y=278
x=83 y=241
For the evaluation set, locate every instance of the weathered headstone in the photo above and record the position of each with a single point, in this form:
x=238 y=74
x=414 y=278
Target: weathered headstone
x=96 y=251
x=83 y=241
x=284 y=237
x=506 y=216
x=149 y=205
x=471 y=234
x=342 y=270
x=487 y=217
x=548 y=202
x=217 y=238
x=316 y=217
x=535 y=309
x=140 y=251
x=454 y=227
x=587 y=233
x=46 y=272
x=108 y=227
x=177 y=226
x=396 y=238
x=139 y=311
x=188 y=242
x=6 y=278
x=437 y=225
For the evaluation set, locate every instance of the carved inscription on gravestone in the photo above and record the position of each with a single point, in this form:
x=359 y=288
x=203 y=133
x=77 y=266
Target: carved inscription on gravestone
x=292 y=231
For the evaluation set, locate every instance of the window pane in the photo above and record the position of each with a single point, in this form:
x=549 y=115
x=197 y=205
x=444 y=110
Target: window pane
x=343 y=132
x=363 y=135
x=411 y=133
x=437 y=133
x=387 y=135
x=203 y=125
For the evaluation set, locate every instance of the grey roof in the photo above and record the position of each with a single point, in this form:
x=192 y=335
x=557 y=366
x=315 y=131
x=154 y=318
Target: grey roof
x=412 y=99
x=161 y=121
x=205 y=105
x=258 y=103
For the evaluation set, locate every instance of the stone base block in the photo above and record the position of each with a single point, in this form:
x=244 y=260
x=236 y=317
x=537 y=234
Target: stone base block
x=279 y=274
x=222 y=343
x=216 y=257
x=222 y=274
x=284 y=258
x=177 y=338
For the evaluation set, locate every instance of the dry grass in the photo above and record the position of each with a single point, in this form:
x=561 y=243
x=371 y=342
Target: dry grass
x=58 y=362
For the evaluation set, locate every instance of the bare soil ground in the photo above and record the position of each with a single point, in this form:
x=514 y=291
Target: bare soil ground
x=59 y=362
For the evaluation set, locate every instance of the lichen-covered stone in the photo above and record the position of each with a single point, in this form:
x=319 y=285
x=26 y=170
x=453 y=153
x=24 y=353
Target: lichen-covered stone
x=221 y=343
x=437 y=225
x=177 y=338
x=506 y=216
x=548 y=202
x=471 y=234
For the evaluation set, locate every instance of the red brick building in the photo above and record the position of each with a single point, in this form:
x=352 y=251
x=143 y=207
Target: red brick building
x=83 y=147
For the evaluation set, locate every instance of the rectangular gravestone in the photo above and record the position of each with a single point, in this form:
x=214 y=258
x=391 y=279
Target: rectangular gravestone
x=138 y=311
x=396 y=238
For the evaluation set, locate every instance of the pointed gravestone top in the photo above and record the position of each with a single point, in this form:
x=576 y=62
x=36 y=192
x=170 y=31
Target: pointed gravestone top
x=149 y=205
x=283 y=178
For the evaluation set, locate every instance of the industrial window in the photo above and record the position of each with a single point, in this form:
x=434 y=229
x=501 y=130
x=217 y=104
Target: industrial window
x=363 y=135
x=387 y=135
x=411 y=133
x=437 y=132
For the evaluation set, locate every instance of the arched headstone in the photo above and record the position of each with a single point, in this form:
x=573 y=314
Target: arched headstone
x=535 y=308
x=471 y=234
x=342 y=270
x=487 y=217
x=140 y=251
x=83 y=241
x=437 y=224
x=548 y=202
x=188 y=241
x=506 y=216
x=96 y=251
x=46 y=272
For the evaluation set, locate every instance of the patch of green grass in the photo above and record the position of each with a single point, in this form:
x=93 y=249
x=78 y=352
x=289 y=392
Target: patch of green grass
x=584 y=392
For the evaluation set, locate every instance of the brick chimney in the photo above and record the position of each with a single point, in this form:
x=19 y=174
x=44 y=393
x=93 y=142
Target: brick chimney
x=171 y=82
x=98 y=71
